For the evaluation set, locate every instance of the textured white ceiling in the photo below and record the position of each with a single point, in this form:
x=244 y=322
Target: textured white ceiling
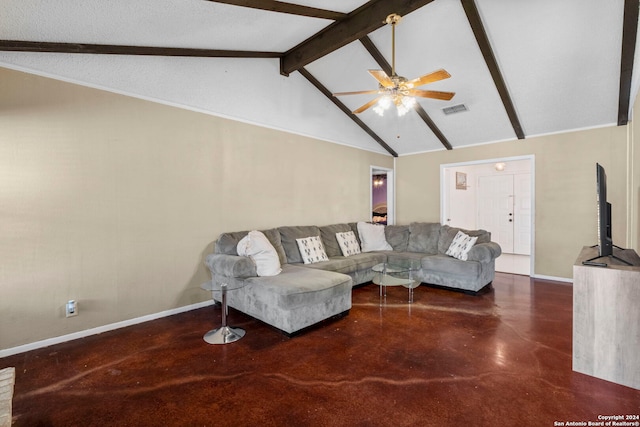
x=560 y=61
x=167 y=23
x=566 y=76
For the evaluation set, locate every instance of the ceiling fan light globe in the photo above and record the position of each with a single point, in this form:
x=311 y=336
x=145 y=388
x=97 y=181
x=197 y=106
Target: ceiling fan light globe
x=408 y=101
x=402 y=110
x=385 y=102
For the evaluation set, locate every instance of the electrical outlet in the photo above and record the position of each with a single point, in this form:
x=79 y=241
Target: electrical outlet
x=71 y=308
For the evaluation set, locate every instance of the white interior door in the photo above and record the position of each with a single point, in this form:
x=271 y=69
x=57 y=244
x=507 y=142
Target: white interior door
x=458 y=212
x=522 y=214
x=495 y=209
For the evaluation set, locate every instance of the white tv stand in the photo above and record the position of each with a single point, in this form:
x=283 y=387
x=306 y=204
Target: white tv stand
x=606 y=318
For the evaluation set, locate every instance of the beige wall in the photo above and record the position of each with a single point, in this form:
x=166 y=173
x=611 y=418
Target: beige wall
x=565 y=217
x=115 y=201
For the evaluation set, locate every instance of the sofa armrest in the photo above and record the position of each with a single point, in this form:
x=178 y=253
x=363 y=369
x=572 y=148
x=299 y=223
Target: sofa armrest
x=231 y=265
x=484 y=252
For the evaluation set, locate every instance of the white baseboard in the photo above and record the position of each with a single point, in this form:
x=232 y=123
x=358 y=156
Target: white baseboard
x=555 y=279
x=100 y=329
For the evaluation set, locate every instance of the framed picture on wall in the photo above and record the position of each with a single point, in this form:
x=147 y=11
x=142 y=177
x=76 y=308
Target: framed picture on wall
x=461 y=181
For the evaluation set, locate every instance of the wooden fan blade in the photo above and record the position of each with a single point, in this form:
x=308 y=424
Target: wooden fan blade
x=367 y=105
x=382 y=78
x=361 y=92
x=435 y=94
x=429 y=78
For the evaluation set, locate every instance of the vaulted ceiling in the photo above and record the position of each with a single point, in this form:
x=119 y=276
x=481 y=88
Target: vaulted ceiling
x=521 y=68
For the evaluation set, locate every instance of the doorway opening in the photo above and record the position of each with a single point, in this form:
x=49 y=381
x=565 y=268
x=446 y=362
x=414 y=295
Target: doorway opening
x=496 y=195
x=382 y=200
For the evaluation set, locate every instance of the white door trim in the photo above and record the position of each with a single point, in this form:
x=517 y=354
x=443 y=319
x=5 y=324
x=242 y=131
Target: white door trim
x=391 y=192
x=444 y=194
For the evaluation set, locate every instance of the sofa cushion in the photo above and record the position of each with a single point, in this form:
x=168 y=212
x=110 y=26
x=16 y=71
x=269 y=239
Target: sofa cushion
x=348 y=243
x=354 y=228
x=274 y=237
x=447 y=234
x=423 y=237
x=372 y=237
x=406 y=259
x=445 y=264
x=256 y=246
x=288 y=236
x=328 y=235
x=311 y=249
x=397 y=236
x=227 y=243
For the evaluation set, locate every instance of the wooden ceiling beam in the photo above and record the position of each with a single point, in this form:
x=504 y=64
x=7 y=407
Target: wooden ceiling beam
x=629 y=31
x=436 y=131
x=386 y=67
x=282 y=7
x=480 y=33
x=356 y=25
x=376 y=54
x=346 y=110
x=104 y=49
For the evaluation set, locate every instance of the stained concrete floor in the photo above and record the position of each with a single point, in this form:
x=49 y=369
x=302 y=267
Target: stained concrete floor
x=449 y=359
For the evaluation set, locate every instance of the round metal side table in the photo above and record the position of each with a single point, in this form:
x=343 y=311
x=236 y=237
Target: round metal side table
x=225 y=334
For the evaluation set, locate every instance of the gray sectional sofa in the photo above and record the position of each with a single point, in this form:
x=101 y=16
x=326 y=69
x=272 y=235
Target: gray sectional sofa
x=305 y=294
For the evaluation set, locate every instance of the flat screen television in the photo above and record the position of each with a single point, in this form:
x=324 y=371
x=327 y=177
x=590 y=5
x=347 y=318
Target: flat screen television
x=605 y=239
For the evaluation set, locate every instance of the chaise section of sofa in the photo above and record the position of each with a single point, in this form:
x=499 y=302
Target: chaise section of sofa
x=293 y=300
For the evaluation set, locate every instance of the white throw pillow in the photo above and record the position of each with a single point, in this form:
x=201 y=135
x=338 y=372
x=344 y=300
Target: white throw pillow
x=372 y=237
x=461 y=245
x=312 y=249
x=348 y=243
x=256 y=246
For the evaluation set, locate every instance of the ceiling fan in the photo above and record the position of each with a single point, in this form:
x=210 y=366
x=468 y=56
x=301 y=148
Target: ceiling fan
x=396 y=89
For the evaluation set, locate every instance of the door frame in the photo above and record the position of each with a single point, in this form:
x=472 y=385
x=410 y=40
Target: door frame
x=444 y=194
x=391 y=192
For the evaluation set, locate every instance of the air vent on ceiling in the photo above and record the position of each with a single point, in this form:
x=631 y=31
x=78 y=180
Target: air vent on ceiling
x=455 y=109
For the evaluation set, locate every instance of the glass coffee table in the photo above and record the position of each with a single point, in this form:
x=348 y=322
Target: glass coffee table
x=388 y=274
x=224 y=334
